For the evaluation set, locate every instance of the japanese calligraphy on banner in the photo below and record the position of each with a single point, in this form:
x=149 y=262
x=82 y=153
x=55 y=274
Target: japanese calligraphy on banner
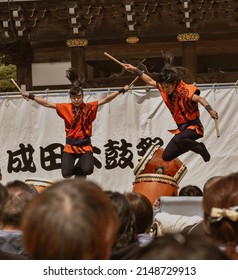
x=33 y=137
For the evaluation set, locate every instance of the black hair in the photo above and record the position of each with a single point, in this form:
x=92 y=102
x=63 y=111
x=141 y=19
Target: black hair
x=170 y=74
x=191 y=190
x=77 y=84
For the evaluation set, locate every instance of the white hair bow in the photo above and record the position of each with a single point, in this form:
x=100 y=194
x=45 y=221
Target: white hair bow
x=217 y=214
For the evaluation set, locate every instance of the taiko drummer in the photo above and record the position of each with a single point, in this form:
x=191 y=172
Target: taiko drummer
x=78 y=117
x=182 y=101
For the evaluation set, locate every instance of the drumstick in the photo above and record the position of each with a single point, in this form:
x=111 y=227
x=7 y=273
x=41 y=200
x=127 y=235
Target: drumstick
x=114 y=59
x=132 y=83
x=217 y=128
x=17 y=86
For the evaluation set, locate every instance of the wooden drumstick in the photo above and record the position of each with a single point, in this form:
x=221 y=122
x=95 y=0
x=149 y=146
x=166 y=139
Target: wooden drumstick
x=17 y=86
x=132 y=83
x=217 y=127
x=114 y=59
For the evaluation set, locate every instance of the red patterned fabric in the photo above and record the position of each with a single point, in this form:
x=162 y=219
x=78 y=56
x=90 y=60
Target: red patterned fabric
x=78 y=123
x=181 y=106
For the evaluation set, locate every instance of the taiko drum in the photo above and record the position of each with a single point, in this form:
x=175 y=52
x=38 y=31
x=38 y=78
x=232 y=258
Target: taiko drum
x=39 y=184
x=156 y=177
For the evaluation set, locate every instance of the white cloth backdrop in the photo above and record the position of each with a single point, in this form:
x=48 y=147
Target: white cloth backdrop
x=130 y=117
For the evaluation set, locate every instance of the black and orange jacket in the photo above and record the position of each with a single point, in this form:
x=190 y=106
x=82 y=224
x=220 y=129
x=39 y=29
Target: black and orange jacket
x=78 y=124
x=184 y=111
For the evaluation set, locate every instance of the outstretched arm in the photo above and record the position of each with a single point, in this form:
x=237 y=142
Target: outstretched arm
x=146 y=78
x=203 y=102
x=39 y=100
x=111 y=96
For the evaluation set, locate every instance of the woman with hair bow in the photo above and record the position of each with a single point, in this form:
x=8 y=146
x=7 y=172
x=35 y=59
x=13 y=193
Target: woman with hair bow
x=182 y=101
x=220 y=206
x=78 y=118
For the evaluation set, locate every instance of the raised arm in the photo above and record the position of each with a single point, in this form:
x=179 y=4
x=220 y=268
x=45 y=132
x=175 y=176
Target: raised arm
x=111 y=96
x=146 y=78
x=203 y=102
x=39 y=100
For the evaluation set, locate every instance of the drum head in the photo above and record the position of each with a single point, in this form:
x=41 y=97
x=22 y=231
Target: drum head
x=143 y=161
x=152 y=162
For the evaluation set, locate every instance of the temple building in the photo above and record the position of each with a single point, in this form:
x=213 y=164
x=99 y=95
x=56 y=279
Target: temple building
x=47 y=37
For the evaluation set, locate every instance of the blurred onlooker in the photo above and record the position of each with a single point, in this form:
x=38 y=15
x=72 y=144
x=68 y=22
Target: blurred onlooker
x=71 y=220
x=3 y=198
x=179 y=246
x=220 y=205
x=165 y=223
x=125 y=246
x=210 y=181
x=143 y=210
x=19 y=195
x=199 y=227
x=191 y=190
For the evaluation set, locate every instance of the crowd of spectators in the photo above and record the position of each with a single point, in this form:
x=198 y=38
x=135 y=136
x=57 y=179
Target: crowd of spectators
x=79 y=219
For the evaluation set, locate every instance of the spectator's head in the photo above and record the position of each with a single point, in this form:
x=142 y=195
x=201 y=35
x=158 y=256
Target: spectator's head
x=3 y=195
x=143 y=210
x=127 y=229
x=191 y=190
x=19 y=195
x=210 y=181
x=3 y=199
x=179 y=246
x=73 y=219
x=220 y=205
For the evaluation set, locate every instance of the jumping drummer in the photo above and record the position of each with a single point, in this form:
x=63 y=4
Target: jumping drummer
x=182 y=101
x=78 y=117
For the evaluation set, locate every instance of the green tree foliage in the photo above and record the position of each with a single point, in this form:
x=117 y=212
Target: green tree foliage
x=6 y=73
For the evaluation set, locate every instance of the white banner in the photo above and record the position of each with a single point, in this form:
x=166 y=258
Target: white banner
x=32 y=137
